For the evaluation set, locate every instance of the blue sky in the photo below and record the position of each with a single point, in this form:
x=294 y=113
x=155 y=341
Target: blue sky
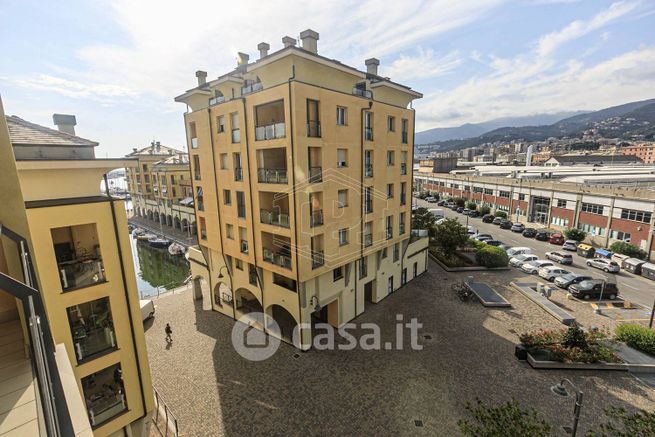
x=118 y=64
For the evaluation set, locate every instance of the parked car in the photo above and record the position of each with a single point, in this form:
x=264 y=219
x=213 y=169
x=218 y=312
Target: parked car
x=454 y=207
x=431 y=199
x=459 y=209
x=556 y=238
x=466 y=211
x=497 y=220
x=494 y=243
x=533 y=267
x=529 y=232
x=560 y=257
x=486 y=236
x=147 y=309
x=593 y=288
x=542 y=235
x=504 y=246
x=604 y=264
x=518 y=250
x=437 y=213
x=506 y=224
x=474 y=214
x=518 y=260
x=571 y=245
x=441 y=203
x=488 y=218
x=518 y=227
x=550 y=273
x=572 y=278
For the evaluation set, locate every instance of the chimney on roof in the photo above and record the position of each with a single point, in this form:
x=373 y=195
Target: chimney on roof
x=263 y=49
x=288 y=41
x=202 y=77
x=309 y=40
x=65 y=123
x=372 y=65
x=134 y=149
x=242 y=59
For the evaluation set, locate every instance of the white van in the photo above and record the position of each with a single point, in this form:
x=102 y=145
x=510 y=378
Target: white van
x=437 y=213
x=147 y=309
x=513 y=251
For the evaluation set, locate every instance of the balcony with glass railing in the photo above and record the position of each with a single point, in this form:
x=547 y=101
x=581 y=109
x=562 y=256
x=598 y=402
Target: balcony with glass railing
x=316 y=218
x=403 y=168
x=368 y=133
x=362 y=93
x=368 y=170
x=276 y=250
x=238 y=174
x=270 y=131
x=315 y=175
x=251 y=88
x=216 y=100
x=79 y=261
x=367 y=239
x=272 y=175
x=314 y=128
x=318 y=259
x=277 y=258
x=274 y=218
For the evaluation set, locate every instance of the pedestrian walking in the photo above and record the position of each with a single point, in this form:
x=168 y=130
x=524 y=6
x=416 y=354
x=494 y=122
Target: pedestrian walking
x=169 y=333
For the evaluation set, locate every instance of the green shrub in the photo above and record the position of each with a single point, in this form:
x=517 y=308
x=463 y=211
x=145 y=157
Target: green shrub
x=622 y=424
x=484 y=210
x=459 y=201
x=508 y=420
x=491 y=256
x=472 y=206
x=627 y=249
x=638 y=337
x=575 y=337
x=575 y=234
x=449 y=235
x=501 y=214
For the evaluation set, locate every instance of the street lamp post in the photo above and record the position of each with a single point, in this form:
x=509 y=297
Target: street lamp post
x=560 y=390
x=600 y=298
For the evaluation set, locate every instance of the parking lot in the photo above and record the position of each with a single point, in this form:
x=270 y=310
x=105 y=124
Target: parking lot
x=633 y=288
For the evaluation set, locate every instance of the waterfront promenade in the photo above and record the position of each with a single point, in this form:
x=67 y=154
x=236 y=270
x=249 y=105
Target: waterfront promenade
x=173 y=234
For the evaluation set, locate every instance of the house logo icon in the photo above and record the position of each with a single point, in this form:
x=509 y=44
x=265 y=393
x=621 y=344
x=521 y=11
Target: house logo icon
x=250 y=341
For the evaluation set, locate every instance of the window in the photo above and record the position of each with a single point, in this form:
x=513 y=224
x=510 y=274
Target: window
x=383 y=254
x=234 y=123
x=637 y=216
x=477 y=189
x=252 y=274
x=192 y=134
x=396 y=252
x=390 y=285
x=220 y=122
x=592 y=208
x=489 y=191
x=203 y=228
x=390 y=158
x=342 y=200
x=401 y=224
x=593 y=230
x=200 y=199
x=391 y=124
x=227 y=197
x=504 y=194
x=404 y=126
x=620 y=235
x=368 y=200
x=229 y=231
x=342 y=158
x=389 y=227
x=362 y=267
x=342 y=116
x=403 y=162
x=92 y=328
x=521 y=196
x=104 y=394
x=403 y=193
x=238 y=170
x=368 y=126
x=337 y=274
x=368 y=163
x=77 y=251
x=561 y=203
x=313 y=123
x=389 y=191
x=196 y=167
x=559 y=221
x=343 y=237
x=239 y=264
x=241 y=204
x=224 y=161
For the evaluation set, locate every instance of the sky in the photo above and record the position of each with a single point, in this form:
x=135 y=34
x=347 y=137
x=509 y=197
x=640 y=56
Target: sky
x=117 y=65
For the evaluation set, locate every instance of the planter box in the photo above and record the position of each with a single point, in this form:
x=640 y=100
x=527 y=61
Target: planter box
x=464 y=269
x=520 y=352
x=544 y=364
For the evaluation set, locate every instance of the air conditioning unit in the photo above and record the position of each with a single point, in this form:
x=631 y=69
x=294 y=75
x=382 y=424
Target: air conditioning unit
x=341 y=164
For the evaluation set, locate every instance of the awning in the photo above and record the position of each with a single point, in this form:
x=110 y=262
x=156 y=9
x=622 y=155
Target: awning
x=604 y=252
x=186 y=201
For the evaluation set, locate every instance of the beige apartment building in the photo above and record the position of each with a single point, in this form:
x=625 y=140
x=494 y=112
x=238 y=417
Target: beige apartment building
x=160 y=187
x=73 y=357
x=302 y=188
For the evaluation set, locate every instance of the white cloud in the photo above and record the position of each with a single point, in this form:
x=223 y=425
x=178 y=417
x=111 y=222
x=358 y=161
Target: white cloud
x=423 y=64
x=552 y=41
x=73 y=89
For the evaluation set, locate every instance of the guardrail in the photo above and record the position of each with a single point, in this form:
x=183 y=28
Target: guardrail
x=164 y=417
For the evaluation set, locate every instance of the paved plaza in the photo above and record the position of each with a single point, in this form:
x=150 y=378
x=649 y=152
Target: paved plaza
x=467 y=353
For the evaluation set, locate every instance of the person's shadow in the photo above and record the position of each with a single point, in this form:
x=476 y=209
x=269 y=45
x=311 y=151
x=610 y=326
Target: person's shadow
x=169 y=344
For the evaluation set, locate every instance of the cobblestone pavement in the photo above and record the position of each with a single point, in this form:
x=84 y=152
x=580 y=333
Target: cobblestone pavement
x=215 y=392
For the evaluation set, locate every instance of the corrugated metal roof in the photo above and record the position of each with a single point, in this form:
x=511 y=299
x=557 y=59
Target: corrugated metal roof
x=25 y=133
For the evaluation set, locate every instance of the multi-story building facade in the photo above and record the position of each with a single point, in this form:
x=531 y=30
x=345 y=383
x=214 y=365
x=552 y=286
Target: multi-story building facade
x=160 y=187
x=607 y=213
x=302 y=188
x=645 y=152
x=69 y=308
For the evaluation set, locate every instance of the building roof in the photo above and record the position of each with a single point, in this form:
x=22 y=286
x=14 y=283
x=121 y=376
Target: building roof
x=177 y=159
x=155 y=149
x=25 y=133
x=585 y=159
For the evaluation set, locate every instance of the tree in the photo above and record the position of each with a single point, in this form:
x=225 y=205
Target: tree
x=507 y=420
x=491 y=256
x=484 y=210
x=422 y=218
x=459 y=201
x=449 y=235
x=622 y=424
x=472 y=206
x=575 y=234
x=501 y=214
x=627 y=249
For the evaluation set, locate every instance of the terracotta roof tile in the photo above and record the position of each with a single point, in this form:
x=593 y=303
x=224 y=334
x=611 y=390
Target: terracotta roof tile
x=23 y=132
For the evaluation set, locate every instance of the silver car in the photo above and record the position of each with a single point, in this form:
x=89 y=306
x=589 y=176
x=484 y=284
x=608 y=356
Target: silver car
x=519 y=260
x=604 y=264
x=550 y=273
x=533 y=267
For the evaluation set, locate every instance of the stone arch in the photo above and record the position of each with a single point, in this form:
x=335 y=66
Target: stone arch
x=200 y=288
x=284 y=319
x=185 y=225
x=169 y=220
x=246 y=302
x=149 y=214
x=162 y=218
x=193 y=228
x=176 y=223
x=221 y=291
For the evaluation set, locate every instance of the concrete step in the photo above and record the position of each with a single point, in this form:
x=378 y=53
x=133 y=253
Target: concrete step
x=18 y=417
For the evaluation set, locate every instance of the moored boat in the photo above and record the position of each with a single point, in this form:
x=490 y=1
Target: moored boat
x=146 y=237
x=159 y=242
x=176 y=249
x=137 y=232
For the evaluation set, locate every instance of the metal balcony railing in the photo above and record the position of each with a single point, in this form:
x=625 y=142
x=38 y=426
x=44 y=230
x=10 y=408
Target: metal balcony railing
x=315 y=175
x=316 y=218
x=203 y=234
x=270 y=131
x=277 y=258
x=368 y=133
x=201 y=205
x=368 y=170
x=367 y=239
x=403 y=137
x=403 y=168
x=274 y=218
x=241 y=211
x=368 y=206
x=318 y=259
x=314 y=128
x=251 y=88
x=196 y=175
x=81 y=273
x=401 y=228
x=236 y=136
x=272 y=175
x=389 y=233
x=403 y=198
x=362 y=93
x=238 y=174
x=216 y=100
x=243 y=246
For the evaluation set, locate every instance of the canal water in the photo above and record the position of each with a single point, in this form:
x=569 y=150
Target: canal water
x=156 y=269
